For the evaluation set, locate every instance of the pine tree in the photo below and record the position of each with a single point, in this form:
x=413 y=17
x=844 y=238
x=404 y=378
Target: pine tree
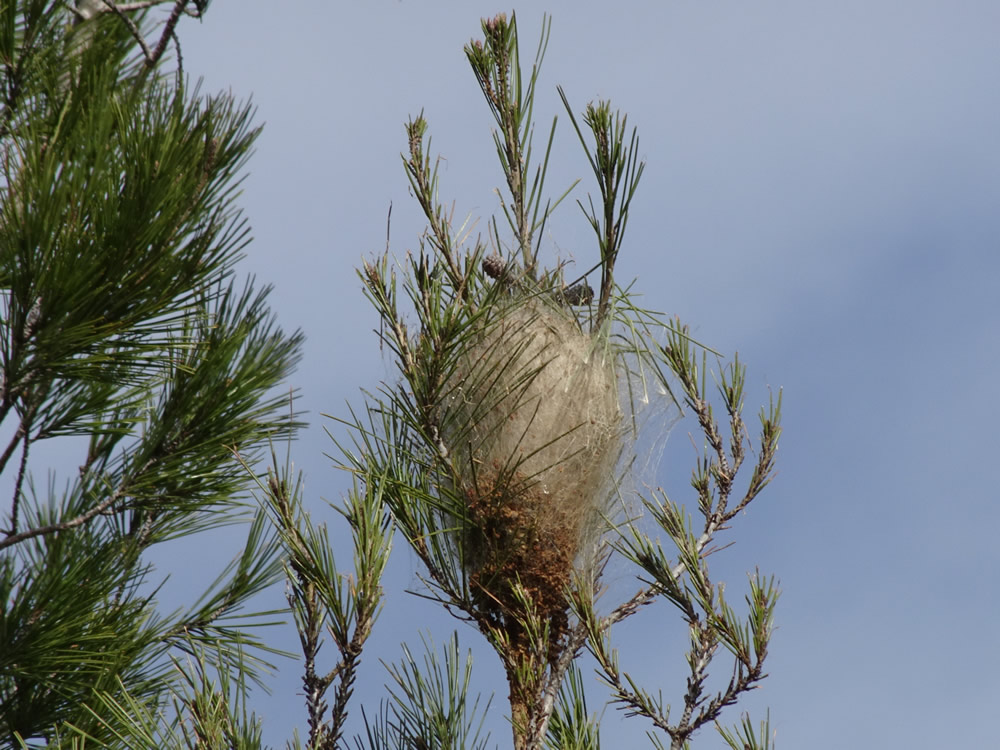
x=125 y=326
x=504 y=455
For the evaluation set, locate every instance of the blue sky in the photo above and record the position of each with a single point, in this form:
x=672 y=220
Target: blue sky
x=821 y=195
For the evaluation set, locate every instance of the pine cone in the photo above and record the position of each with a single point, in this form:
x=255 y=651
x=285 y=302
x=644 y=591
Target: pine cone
x=494 y=266
x=578 y=294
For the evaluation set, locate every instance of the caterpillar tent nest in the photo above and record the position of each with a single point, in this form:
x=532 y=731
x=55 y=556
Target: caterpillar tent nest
x=535 y=421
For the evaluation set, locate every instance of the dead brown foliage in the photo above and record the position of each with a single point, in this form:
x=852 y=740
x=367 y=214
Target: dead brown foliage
x=517 y=534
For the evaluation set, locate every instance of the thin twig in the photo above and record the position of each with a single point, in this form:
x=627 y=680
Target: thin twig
x=180 y=57
x=648 y=595
x=139 y=5
x=168 y=31
x=152 y=56
x=16 y=501
x=640 y=599
x=64 y=526
x=81 y=519
x=132 y=27
x=11 y=447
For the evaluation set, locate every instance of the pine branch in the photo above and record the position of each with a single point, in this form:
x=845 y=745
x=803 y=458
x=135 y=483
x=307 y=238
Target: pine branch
x=686 y=582
x=320 y=595
x=100 y=508
x=15 y=502
x=119 y=328
x=467 y=443
x=151 y=55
